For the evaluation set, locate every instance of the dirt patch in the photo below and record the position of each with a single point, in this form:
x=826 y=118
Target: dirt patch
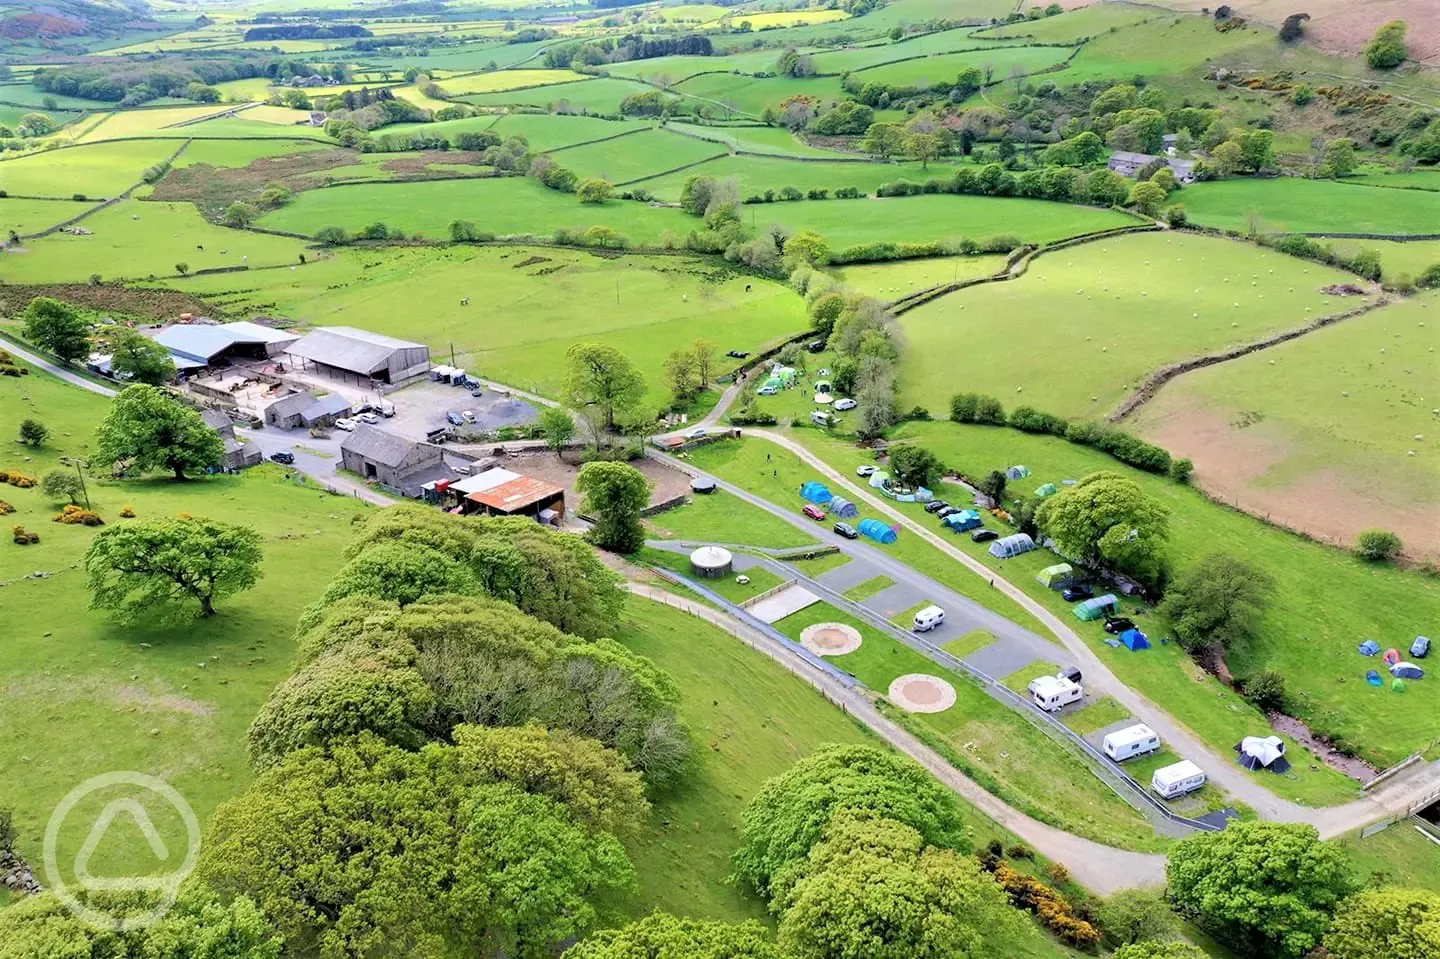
x=142 y=303
x=920 y=693
x=830 y=639
x=666 y=482
x=1357 y=769
x=135 y=696
x=1344 y=289
x=530 y=261
x=1337 y=25
x=419 y=164
x=213 y=188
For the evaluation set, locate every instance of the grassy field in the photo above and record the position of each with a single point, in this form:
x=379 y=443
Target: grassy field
x=503 y=206
x=1400 y=854
x=1320 y=433
x=239 y=153
x=281 y=116
x=869 y=588
x=32 y=216
x=599 y=95
x=924 y=45
x=672 y=69
x=499 y=80
x=135 y=123
x=889 y=281
x=1291 y=205
x=722 y=517
x=1015 y=759
x=636 y=157
x=749 y=96
x=760 y=579
x=1073 y=25
x=84 y=696
x=1161 y=47
x=1102 y=318
x=137 y=240
x=1095 y=716
x=99 y=171
x=525 y=313
x=1415 y=179
x=1002 y=62
x=1326 y=603
x=756 y=174
x=755 y=139
x=553 y=132
x=1397 y=258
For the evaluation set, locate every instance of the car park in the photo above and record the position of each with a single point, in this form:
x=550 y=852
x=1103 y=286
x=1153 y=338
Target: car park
x=282 y=456
x=1073 y=594
x=454 y=418
x=864 y=471
x=813 y=511
x=368 y=418
x=935 y=505
x=983 y=536
x=845 y=404
x=345 y=424
x=847 y=531
x=1118 y=624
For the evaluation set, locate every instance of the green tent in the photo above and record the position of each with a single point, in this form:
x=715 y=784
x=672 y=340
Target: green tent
x=1047 y=490
x=1057 y=577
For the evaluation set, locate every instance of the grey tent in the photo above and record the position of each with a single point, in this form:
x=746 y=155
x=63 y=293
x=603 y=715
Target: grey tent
x=842 y=508
x=1263 y=752
x=1407 y=671
x=1008 y=546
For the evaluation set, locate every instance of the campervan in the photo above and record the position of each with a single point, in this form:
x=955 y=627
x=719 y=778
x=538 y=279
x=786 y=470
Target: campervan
x=820 y=418
x=928 y=618
x=1178 y=779
x=1052 y=693
x=1131 y=741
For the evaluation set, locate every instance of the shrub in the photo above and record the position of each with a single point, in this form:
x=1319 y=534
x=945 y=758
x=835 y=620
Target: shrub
x=1020 y=851
x=1378 y=545
x=23 y=538
x=5 y=508
x=976 y=408
x=1266 y=690
x=75 y=515
x=18 y=480
x=127 y=511
x=32 y=431
x=1181 y=469
x=1053 y=910
x=1030 y=420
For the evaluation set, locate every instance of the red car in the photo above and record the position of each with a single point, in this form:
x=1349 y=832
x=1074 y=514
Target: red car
x=814 y=512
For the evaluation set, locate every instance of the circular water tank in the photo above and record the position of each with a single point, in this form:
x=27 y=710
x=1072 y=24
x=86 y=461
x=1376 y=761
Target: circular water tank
x=711 y=562
x=702 y=485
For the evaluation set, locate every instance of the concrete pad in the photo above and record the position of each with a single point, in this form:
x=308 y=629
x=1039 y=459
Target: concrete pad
x=895 y=599
x=1003 y=657
x=852 y=574
x=777 y=606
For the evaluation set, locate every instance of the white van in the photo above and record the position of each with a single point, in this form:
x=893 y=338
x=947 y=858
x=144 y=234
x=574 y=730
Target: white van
x=1177 y=780
x=1130 y=742
x=928 y=618
x=820 y=418
x=1052 y=693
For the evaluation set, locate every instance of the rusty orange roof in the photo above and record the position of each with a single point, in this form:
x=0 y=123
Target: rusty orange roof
x=515 y=494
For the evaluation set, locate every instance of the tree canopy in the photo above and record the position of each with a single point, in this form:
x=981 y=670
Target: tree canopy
x=1388 y=48
x=1387 y=924
x=914 y=465
x=140 y=358
x=602 y=375
x=1107 y=519
x=152 y=567
x=1267 y=888
x=663 y=936
x=615 y=493
x=1217 y=603
x=147 y=429
x=58 y=328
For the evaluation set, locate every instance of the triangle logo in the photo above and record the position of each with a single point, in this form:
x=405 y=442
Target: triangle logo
x=141 y=818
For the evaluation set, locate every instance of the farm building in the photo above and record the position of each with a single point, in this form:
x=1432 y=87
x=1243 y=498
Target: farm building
x=350 y=354
x=392 y=460
x=711 y=562
x=238 y=453
x=195 y=346
x=1129 y=164
x=1009 y=546
x=500 y=492
x=306 y=410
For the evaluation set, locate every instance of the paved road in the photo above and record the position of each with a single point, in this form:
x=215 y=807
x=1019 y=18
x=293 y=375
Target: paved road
x=1384 y=801
x=1102 y=869
x=69 y=376
x=318 y=460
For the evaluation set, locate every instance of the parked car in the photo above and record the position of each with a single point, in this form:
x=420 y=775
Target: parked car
x=845 y=404
x=935 y=505
x=983 y=536
x=476 y=391
x=847 y=531
x=813 y=511
x=767 y=391
x=1118 y=624
x=737 y=354
x=864 y=471
x=386 y=408
x=283 y=457
x=698 y=433
x=469 y=415
x=816 y=346
x=345 y=424
x=945 y=511
x=454 y=418
x=1073 y=594
x=361 y=408
x=369 y=418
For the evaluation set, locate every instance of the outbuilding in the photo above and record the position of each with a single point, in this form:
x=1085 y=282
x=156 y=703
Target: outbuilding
x=300 y=410
x=238 y=453
x=386 y=458
x=346 y=353
x=517 y=495
x=712 y=562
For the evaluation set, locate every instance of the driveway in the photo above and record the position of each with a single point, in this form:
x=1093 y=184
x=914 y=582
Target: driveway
x=317 y=458
x=68 y=376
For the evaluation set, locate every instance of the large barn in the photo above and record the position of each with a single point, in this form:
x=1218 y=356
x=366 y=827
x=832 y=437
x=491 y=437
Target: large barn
x=359 y=355
x=198 y=345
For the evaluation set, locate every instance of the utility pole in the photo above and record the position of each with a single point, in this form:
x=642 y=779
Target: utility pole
x=77 y=463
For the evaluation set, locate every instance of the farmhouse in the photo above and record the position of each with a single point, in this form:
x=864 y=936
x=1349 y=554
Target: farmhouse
x=306 y=410
x=499 y=492
x=346 y=353
x=392 y=460
x=317 y=118
x=1130 y=164
x=238 y=453
x=195 y=346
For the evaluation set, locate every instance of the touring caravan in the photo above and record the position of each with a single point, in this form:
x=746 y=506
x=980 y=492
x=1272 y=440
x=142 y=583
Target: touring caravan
x=1052 y=693
x=1131 y=741
x=1178 y=779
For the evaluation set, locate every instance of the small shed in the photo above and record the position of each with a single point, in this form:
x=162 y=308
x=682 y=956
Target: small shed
x=877 y=531
x=702 y=485
x=1134 y=640
x=1017 y=472
x=1263 y=752
x=1047 y=489
x=1097 y=608
x=712 y=562
x=817 y=493
x=1057 y=577
x=966 y=519
x=1007 y=547
x=842 y=508
x=1407 y=671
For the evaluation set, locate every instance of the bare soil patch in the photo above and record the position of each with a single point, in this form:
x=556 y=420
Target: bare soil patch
x=921 y=693
x=138 y=302
x=419 y=164
x=1342 y=26
x=146 y=700
x=1355 y=768
x=213 y=188
x=547 y=466
x=830 y=639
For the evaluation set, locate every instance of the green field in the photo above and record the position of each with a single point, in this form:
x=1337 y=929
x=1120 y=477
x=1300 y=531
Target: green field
x=84 y=696
x=600 y=95
x=924 y=45
x=239 y=153
x=890 y=281
x=1292 y=205
x=553 y=132
x=673 y=69
x=523 y=317
x=756 y=174
x=29 y=95
x=1162 y=47
x=506 y=80
x=137 y=240
x=1104 y=315
x=1320 y=433
x=504 y=206
x=99 y=171
x=1001 y=62
x=755 y=139
x=32 y=216
x=1073 y=25
x=1398 y=258
x=636 y=157
x=749 y=96
x=722 y=517
x=1415 y=179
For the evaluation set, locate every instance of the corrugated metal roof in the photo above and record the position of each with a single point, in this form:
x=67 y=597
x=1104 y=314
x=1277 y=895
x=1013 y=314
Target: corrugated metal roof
x=246 y=331
x=487 y=480
x=376 y=444
x=290 y=405
x=331 y=405
x=196 y=342
x=358 y=351
x=516 y=494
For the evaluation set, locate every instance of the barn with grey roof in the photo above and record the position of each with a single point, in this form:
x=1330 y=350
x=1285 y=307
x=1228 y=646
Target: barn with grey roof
x=359 y=355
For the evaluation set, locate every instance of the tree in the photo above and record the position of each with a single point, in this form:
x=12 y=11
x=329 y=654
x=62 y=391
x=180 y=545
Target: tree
x=1378 y=545
x=1180 y=469
x=704 y=353
x=875 y=393
x=1146 y=197
x=57 y=328
x=807 y=247
x=993 y=486
x=615 y=493
x=240 y=214
x=1267 y=888
x=33 y=432
x=594 y=190
x=884 y=139
x=149 y=568
x=663 y=936
x=1134 y=916
x=603 y=376
x=1217 y=603
x=1159 y=950
x=1227 y=158
x=923 y=147
x=140 y=358
x=1107 y=519
x=182 y=268
x=872 y=887
x=1294 y=27
x=1340 y=159
x=558 y=426
x=61 y=484
x=465 y=231
x=680 y=372
x=825 y=310
x=37 y=124
x=146 y=429
x=791 y=811
x=400 y=573
x=1386 y=924
x=914 y=465
x=1266 y=689
x=1386 y=50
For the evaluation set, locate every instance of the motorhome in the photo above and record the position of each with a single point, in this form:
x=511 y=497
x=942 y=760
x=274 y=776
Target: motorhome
x=1178 y=779
x=1130 y=742
x=928 y=618
x=1052 y=693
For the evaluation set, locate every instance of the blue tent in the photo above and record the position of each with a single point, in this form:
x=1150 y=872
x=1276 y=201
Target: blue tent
x=963 y=520
x=1369 y=648
x=816 y=493
x=1134 y=640
x=1373 y=678
x=877 y=531
x=842 y=508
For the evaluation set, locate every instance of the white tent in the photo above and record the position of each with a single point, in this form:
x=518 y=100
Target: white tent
x=1257 y=752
